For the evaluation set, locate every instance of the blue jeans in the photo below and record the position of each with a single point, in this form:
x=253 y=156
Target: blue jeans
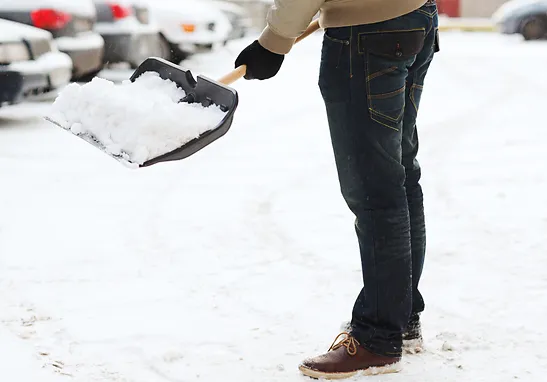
x=371 y=80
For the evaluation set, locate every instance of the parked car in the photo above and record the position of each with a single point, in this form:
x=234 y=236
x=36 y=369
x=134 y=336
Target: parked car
x=127 y=39
x=525 y=17
x=71 y=24
x=30 y=64
x=239 y=18
x=189 y=26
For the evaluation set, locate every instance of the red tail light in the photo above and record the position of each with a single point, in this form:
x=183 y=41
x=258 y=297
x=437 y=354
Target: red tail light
x=119 y=11
x=49 y=19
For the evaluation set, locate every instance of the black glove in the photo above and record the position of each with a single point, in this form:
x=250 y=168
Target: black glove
x=261 y=63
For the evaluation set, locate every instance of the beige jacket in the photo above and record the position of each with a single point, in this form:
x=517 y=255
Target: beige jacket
x=288 y=19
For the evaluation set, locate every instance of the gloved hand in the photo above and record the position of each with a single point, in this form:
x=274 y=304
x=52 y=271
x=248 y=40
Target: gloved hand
x=261 y=63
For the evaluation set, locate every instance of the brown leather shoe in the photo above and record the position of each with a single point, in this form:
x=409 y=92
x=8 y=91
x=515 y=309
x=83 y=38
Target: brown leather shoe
x=346 y=359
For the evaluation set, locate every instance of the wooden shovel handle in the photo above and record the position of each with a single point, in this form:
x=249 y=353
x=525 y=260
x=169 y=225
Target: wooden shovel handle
x=240 y=71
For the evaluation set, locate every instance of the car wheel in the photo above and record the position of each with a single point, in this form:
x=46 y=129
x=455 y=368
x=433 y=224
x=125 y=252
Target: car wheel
x=533 y=28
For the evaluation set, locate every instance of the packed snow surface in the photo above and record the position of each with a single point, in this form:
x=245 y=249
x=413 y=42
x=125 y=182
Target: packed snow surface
x=235 y=265
x=134 y=121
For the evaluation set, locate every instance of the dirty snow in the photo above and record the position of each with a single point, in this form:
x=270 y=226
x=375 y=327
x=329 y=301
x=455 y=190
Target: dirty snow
x=137 y=120
x=236 y=263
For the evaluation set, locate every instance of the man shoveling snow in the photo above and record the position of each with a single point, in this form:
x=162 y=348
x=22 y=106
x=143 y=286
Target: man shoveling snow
x=375 y=58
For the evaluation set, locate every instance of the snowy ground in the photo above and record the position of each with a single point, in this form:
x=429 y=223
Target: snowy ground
x=238 y=262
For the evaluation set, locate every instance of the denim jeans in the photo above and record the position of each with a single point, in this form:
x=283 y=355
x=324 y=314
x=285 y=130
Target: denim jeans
x=371 y=79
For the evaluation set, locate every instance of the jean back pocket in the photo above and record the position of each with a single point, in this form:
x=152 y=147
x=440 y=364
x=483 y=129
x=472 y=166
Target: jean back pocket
x=388 y=55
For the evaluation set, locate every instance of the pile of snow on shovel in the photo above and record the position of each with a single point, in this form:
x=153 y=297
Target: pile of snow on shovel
x=137 y=120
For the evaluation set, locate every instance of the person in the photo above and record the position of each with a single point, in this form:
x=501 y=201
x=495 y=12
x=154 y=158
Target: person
x=374 y=60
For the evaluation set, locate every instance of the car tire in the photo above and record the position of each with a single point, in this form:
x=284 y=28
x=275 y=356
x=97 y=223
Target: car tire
x=533 y=28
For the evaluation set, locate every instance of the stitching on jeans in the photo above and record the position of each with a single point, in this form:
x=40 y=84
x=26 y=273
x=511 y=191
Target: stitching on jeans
x=430 y=14
x=344 y=42
x=375 y=114
x=380 y=122
x=387 y=95
x=395 y=120
x=412 y=97
x=381 y=72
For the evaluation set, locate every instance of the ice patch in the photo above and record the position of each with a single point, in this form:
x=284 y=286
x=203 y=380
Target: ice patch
x=136 y=121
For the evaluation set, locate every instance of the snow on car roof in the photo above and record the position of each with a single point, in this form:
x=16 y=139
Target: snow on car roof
x=84 y=8
x=11 y=31
x=199 y=9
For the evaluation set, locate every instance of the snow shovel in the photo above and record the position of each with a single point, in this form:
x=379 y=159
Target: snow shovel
x=202 y=90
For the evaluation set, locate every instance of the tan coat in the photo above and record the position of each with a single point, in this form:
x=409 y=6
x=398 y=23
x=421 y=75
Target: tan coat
x=288 y=19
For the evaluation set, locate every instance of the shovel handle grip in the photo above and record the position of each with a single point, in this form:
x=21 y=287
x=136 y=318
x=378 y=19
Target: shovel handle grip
x=240 y=71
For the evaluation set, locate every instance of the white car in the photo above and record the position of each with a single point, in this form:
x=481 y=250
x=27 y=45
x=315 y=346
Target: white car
x=189 y=26
x=30 y=63
x=71 y=24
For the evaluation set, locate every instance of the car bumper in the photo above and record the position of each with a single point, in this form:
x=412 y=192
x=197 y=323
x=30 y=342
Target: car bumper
x=16 y=86
x=22 y=80
x=198 y=41
x=55 y=66
x=85 y=50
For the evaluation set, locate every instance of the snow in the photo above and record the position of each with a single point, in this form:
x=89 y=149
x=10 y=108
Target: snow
x=136 y=121
x=238 y=262
x=26 y=366
x=84 y=41
x=46 y=63
x=84 y=8
x=14 y=32
x=128 y=25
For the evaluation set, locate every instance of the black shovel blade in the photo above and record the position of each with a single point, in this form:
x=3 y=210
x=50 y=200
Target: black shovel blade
x=203 y=90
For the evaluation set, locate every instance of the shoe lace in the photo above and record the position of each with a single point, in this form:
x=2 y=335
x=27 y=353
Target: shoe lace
x=349 y=343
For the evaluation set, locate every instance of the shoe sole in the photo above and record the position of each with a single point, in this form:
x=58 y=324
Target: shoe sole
x=388 y=369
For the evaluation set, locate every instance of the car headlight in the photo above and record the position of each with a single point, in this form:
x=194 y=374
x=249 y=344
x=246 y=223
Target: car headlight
x=12 y=52
x=188 y=28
